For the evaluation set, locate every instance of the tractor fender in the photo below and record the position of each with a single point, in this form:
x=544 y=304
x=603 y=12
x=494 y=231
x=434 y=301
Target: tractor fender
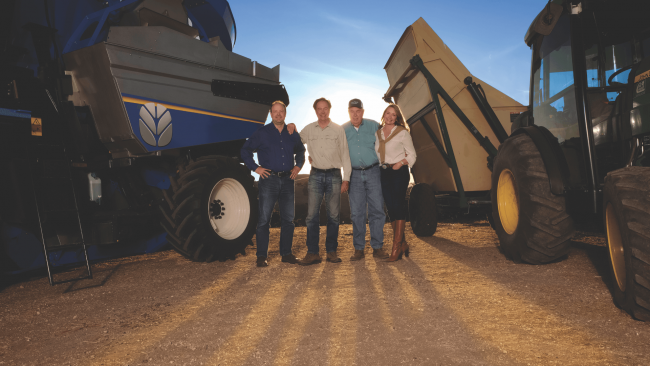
x=552 y=156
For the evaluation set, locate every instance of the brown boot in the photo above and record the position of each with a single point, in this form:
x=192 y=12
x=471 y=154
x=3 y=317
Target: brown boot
x=380 y=253
x=358 y=255
x=332 y=257
x=405 y=246
x=310 y=258
x=396 y=253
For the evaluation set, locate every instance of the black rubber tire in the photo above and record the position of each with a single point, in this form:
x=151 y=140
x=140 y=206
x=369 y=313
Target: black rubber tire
x=544 y=229
x=423 y=211
x=628 y=191
x=185 y=211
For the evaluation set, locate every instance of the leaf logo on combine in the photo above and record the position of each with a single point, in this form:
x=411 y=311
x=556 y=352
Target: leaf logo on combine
x=155 y=124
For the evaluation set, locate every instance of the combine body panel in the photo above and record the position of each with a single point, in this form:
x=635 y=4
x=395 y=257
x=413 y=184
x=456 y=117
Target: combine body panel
x=410 y=90
x=137 y=66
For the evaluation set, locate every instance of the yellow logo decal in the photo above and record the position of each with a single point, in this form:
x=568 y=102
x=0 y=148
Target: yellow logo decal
x=643 y=76
x=37 y=127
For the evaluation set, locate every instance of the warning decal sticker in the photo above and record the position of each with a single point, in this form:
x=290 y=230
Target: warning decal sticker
x=37 y=126
x=643 y=76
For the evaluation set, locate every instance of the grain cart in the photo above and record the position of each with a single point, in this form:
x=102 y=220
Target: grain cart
x=118 y=116
x=454 y=128
x=580 y=150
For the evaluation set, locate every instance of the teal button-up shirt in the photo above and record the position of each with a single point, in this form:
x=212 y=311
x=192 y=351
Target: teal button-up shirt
x=362 y=143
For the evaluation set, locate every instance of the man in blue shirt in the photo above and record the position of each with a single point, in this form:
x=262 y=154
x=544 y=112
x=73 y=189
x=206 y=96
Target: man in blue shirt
x=275 y=151
x=366 y=200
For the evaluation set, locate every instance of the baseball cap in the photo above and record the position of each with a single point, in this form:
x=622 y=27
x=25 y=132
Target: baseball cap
x=355 y=103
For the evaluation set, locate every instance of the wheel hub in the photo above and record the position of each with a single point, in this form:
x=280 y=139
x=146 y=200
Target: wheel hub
x=217 y=209
x=507 y=201
x=230 y=193
x=615 y=245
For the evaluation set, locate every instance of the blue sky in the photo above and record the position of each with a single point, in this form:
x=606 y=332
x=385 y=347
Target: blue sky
x=338 y=49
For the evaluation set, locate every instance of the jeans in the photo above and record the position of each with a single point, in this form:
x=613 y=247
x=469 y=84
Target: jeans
x=367 y=203
x=328 y=185
x=271 y=190
x=394 y=184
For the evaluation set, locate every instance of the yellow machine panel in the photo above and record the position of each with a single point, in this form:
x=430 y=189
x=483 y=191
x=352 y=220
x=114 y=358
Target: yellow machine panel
x=409 y=89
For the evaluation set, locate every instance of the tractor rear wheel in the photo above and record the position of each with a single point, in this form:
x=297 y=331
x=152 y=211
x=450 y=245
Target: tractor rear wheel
x=423 y=212
x=626 y=210
x=532 y=224
x=211 y=209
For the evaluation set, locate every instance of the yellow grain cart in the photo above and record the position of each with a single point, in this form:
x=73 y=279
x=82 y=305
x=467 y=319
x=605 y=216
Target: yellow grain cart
x=457 y=122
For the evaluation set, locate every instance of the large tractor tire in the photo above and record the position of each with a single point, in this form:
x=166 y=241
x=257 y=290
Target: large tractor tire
x=211 y=209
x=423 y=211
x=532 y=224
x=626 y=209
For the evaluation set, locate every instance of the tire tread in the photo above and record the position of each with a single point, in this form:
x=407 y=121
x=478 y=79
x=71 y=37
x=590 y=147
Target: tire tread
x=182 y=215
x=544 y=231
x=628 y=190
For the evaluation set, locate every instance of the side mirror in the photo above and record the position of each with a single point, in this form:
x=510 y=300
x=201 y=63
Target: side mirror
x=544 y=22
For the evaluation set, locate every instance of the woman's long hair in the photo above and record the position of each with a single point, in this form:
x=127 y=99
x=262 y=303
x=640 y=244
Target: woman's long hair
x=399 y=121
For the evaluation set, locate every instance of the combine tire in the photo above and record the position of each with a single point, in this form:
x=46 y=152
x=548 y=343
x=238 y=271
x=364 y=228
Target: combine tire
x=626 y=209
x=423 y=212
x=531 y=222
x=211 y=209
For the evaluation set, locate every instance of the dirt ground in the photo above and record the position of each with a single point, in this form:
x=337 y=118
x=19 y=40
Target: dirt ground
x=455 y=301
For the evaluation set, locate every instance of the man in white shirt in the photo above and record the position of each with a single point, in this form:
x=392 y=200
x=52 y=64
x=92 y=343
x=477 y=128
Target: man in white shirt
x=328 y=152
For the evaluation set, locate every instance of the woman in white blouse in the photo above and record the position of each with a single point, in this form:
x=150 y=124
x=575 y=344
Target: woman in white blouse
x=396 y=154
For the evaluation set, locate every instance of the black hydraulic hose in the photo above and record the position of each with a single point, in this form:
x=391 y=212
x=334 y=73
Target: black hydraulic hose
x=479 y=96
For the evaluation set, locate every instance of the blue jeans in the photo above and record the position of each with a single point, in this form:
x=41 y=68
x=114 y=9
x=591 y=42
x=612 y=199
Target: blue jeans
x=328 y=185
x=271 y=190
x=367 y=204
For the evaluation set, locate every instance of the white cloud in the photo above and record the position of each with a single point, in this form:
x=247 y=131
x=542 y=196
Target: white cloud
x=354 y=23
x=494 y=56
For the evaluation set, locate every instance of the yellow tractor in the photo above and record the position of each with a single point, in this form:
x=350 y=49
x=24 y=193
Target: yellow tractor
x=577 y=153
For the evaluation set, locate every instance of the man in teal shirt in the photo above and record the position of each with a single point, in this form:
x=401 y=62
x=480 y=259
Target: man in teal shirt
x=364 y=188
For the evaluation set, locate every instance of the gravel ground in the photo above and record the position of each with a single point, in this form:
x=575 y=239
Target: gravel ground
x=455 y=301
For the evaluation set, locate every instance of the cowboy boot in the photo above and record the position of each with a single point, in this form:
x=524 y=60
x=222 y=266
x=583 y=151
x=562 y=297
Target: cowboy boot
x=405 y=246
x=396 y=253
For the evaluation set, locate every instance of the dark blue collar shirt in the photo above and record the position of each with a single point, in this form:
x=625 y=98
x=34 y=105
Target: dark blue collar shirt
x=275 y=149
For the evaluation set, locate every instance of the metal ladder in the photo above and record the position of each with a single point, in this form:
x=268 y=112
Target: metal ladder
x=51 y=177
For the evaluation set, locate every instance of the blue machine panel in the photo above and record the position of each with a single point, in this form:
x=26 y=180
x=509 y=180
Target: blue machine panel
x=215 y=19
x=161 y=125
x=15 y=113
x=83 y=23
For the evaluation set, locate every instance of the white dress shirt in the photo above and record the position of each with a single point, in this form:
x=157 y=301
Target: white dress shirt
x=327 y=147
x=398 y=148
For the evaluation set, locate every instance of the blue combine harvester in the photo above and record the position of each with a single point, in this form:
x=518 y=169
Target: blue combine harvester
x=121 y=123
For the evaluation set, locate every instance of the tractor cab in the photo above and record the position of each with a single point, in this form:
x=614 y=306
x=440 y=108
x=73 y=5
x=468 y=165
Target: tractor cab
x=581 y=89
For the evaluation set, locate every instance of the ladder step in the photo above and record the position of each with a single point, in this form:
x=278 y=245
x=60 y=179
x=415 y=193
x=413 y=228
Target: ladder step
x=56 y=202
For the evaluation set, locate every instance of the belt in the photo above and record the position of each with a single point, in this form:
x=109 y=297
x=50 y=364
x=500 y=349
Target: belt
x=366 y=168
x=281 y=174
x=326 y=170
x=386 y=165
